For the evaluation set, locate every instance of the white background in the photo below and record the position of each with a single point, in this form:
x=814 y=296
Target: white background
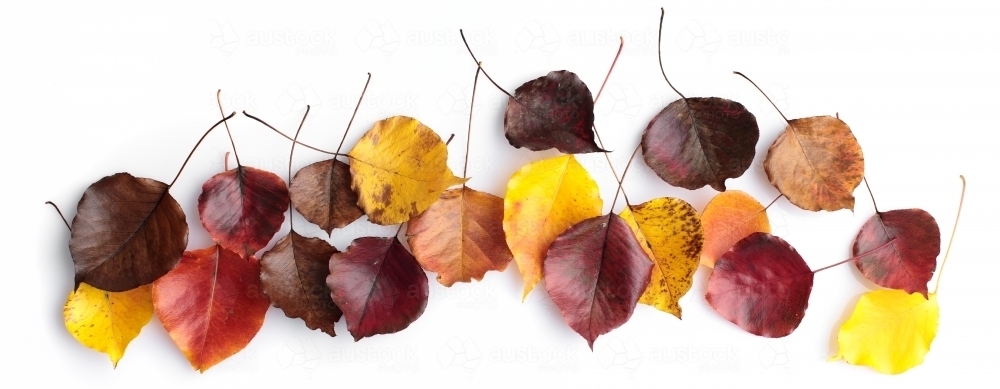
x=90 y=90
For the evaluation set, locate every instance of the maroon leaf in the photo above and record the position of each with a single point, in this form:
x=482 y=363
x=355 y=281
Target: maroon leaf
x=762 y=285
x=379 y=286
x=700 y=141
x=909 y=262
x=595 y=272
x=322 y=193
x=556 y=110
x=127 y=232
x=294 y=273
x=243 y=208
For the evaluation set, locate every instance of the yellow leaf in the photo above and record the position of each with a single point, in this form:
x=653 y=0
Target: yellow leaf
x=669 y=230
x=543 y=199
x=107 y=321
x=889 y=330
x=398 y=168
x=730 y=216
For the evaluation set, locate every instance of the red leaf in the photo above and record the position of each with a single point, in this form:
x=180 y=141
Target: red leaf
x=595 y=272
x=127 y=232
x=379 y=286
x=909 y=262
x=211 y=304
x=700 y=141
x=762 y=285
x=294 y=274
x=554 y=111
x=243 y=208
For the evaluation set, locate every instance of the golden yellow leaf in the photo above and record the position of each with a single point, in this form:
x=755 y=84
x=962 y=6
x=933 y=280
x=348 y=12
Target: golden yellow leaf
x=730 y=216
x=543 y=199
x=398 y=168
x=107 y=321
x=889 y=330
x=669 y=230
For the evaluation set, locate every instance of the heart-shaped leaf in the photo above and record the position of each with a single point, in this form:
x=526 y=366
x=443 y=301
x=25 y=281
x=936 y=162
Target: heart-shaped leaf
x=243 y=208
x=889 y=330
x=554 y=111
x=322 y=193
x=728 y=218
x=908 y=263
x=293 y=274
x=107 y=321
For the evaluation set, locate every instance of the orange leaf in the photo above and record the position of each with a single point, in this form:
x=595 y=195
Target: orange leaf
x=728 y=218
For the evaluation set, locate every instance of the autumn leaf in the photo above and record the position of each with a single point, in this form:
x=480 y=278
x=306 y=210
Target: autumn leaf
x=670 y=232
x=322 y=193
x=107 y=321
x=762 y=285
x=909 y=262
x=553 y=111
x=460 y=236
x=700 y=141
x=889 y=330
x=211 y=304
x=127 y=233
x=293 y=275
x=595 y=273
x=398 y=169
x=243 y=208
x=728 y=218
x=544 y=198
x=379 y=286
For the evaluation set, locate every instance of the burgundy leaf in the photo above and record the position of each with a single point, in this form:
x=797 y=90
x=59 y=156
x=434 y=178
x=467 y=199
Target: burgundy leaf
x=556 y=110
x=243 y=208
x=379 y=286
x=762 y=285
x=700 y=141
x=909 y=262
x=293 y=274
x=595 y=272
x=322 y=193
x=127 y=232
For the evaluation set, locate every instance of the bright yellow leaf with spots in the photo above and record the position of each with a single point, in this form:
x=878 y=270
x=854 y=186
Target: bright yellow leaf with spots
x=730 y=216
x=889 y=330
x=108 y=321
x=543 y=199
x=398 y=168
x=670 y=231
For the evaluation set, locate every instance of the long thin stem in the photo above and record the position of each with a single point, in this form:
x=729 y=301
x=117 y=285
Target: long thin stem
x=291 y=153
x=659 y=54
x=218 y=99
x=355 y=113
x=865 y=179
x=621 y=45
x=468 y=133
x=765 y=96
x=774 y=201
x=60 y=214
x=600 y=141
x=196 y=148
x=478 y=63
x=884 y=245
x=944 y=261
x=290 y=138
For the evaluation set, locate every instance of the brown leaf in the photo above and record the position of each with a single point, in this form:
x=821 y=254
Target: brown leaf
x=553 y=111
x=127 y=232
x=293 y=274
x=322 y=193
x=460 y=236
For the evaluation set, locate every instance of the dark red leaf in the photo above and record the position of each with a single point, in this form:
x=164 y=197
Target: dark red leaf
x=127 y=232
x=700 y=141
x=294 y=274
x=322 y=193
x=909 y=262
x=556 y=110
x=243 y=208
x=762 y=285
x=379 y=286
x=595 y=272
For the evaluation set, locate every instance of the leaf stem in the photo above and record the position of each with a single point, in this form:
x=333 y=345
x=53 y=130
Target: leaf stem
x=765 y=96
x=659 y=54
x=196 y=148
x=356 y=107
x=621 y=45
x=611 y=69
x=479 y=63
x=60 y=214
x=290 y=138
x=468 y=133
x=884 y=245
x=773 y=201
x=865 y=179
x=218 y=100
x=290 y=154
x=951 y=240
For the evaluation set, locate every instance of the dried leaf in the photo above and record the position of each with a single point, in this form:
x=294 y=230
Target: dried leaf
x=554 y=111
x=595 y=272
x=127 y=232
x=322 y=193
x=909 y=262
x=544 y=198
x=728 y=218
x=889 y=330
x=243 y=208
x=700 y=141
x=107 y=321
x=670 y=232
x=460 y=236
x=293 y=274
